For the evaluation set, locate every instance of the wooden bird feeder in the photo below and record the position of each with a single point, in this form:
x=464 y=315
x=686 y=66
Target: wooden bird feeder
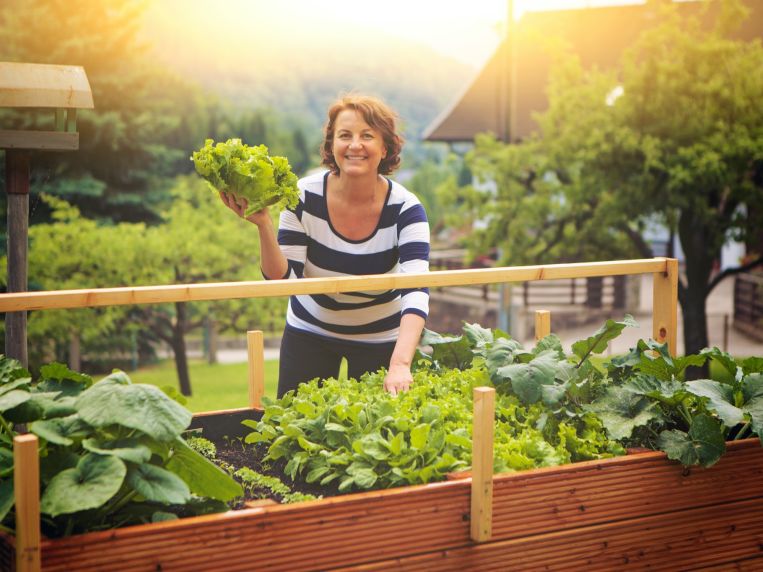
x=60 y=90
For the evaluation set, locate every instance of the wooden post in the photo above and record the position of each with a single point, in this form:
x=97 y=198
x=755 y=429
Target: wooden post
x=482 y=464
x=665 y=305
x=542 y=324
x=256 y=348
x=17 y=188
x=26 y=488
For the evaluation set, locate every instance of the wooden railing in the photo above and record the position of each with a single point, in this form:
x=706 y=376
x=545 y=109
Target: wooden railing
x=664 y=271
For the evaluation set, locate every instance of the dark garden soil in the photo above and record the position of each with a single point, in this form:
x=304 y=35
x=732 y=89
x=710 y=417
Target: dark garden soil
x=234 y=454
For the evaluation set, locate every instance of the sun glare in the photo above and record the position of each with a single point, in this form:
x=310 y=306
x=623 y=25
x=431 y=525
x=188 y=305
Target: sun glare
x=465 y=31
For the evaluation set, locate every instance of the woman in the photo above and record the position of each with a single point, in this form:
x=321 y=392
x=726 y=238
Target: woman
x=352 y=220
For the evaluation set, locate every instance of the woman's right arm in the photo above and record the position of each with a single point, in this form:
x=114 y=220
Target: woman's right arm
x=272 y=261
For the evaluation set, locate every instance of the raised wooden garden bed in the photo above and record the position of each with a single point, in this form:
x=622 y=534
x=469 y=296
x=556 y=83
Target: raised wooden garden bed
x=638 y=511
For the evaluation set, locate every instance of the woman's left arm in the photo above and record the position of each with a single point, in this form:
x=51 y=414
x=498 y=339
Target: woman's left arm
x=399 y=377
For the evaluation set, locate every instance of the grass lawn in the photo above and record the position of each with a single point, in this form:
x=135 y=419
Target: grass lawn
x=219 y=386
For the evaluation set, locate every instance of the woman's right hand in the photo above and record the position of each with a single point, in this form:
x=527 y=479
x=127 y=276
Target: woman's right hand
x=239 y=205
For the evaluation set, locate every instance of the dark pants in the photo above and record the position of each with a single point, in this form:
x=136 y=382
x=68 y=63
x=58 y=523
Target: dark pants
x=305 y=356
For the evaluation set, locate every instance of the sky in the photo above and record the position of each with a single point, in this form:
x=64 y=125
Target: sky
x=467 y=31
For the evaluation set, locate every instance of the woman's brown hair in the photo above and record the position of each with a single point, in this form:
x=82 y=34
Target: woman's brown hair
x=378 y=115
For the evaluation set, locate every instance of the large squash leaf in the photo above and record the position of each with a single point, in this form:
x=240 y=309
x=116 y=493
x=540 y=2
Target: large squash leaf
x=600 y=339
x=702 y=445
x=90 y=484
x=158 y=485
x=138 y=406
x=621 y=411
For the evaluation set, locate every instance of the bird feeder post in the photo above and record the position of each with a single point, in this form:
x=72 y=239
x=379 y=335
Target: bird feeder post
x=17 y=186
x=37 y=86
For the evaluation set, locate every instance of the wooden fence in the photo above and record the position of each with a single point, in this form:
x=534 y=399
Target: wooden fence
x=748 y=304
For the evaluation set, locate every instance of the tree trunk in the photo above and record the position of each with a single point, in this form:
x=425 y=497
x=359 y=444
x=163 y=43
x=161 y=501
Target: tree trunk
x=75 y=354
x=179 y=349
x=213 y=341
x=700 y=252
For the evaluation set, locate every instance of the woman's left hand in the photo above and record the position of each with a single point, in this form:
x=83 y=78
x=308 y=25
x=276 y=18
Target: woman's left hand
x=398 y=379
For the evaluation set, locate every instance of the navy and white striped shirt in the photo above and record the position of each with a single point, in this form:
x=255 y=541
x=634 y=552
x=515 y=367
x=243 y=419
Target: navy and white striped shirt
x=313 y=248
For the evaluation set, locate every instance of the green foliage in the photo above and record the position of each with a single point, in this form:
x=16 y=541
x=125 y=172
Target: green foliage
x=110 y=452
x=428 y=178
x=130 y=140
x=203 y=446
x=247 y=172
x=680 y=146
x=253 y=480
x=354 y=435
x=197 y=242
x=551 y=408
x=688 y=420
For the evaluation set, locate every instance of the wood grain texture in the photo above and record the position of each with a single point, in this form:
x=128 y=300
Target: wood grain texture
x=89 y=298
x=591 y=515
x=542 y=324
x=44 y=85
x=42 y=140
x=665 y=305
x=483 y=425
x=26 y=488
x=256 y=364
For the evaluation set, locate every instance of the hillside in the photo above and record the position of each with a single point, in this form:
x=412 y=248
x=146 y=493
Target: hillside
x=296 y=67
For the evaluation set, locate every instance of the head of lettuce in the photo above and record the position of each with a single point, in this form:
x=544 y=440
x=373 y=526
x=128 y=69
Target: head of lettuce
x=247 y=172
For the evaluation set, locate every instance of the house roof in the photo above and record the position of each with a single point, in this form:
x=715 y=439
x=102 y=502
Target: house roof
x=597 y=35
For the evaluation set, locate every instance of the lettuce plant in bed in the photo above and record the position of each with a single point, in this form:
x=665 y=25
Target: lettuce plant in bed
x=247 y=172
x=551 y=408
x=111 y=452
x=353 y=435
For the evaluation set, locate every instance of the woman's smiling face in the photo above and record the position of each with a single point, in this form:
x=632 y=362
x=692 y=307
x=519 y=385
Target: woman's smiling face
x=358 y=148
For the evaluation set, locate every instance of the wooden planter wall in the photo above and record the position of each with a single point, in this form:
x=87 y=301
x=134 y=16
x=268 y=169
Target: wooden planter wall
x=633 y=512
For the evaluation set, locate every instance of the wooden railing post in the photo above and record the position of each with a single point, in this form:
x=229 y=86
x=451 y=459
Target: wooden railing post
x=542 y=324
x=256 y=350
x=482 y=464
x=26 y=488
x=665 y=305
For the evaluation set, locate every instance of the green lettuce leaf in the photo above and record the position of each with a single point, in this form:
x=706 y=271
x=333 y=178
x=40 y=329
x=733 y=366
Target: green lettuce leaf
x=248 y=173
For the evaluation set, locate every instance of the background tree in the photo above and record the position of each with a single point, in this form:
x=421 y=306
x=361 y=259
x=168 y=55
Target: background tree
x=74 y=252
x=123 y=142
x=146 y=120
x=675 y=136
x=201 y=241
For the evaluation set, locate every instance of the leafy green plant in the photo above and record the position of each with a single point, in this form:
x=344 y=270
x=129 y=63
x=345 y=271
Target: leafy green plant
x=110 y=452
x=352 y=434
x=203 y=446
x=551 y=408
x=248 y=173
x=649 y=404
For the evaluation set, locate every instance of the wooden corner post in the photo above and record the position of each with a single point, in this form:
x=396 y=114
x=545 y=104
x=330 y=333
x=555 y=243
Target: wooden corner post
x=542 y=324
x=482 y=464
x=26 y=488
x=665 y=305
x=256 y=350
